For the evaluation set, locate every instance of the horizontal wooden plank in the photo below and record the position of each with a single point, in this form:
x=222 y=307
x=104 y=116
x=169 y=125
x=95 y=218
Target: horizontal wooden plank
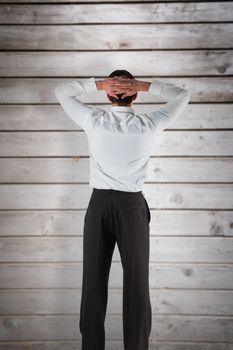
x=26 y=90
x=53 y=117
x=67 y=301
x=166 y=143
x=70 y=249
x=194 y=328
x=164 y=327
x=163 y=345
x=76 y=169
x=37 y=90
x=115 y=37
x=83 y=1
x=163 y=223
x=123 y=12
x=161 y=275
x=113 y=345
x=76 y=196
x=157 y=63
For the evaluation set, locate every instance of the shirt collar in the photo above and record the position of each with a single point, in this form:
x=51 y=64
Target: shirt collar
x=122 y=108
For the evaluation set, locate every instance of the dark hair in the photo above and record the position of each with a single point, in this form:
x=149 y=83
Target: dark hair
x=127 y=99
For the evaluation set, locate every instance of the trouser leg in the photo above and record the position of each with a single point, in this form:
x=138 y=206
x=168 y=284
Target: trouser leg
x=132 y=234
x=98 y=247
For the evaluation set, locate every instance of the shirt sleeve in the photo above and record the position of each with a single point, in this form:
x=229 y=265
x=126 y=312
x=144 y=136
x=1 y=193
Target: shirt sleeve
x=67 y=94
x=177 y=98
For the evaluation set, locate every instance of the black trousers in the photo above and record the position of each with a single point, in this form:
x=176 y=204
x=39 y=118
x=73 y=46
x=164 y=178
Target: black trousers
x=118 y=217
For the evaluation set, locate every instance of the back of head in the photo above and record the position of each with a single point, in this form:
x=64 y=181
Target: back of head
x=128 y=99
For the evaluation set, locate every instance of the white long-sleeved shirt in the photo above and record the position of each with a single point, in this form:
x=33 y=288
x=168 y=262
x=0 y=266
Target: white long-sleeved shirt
x=120 y=140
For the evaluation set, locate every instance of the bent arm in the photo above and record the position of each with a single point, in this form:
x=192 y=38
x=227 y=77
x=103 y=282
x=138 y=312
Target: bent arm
x=67 y=94
x=177 y=97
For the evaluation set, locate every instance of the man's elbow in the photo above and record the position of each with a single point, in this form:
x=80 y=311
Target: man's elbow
x=57 y=91
x=187 y=94
x=65 y=90
x=185 y=97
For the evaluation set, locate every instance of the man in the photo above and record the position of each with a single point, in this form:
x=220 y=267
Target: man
x=120 y=142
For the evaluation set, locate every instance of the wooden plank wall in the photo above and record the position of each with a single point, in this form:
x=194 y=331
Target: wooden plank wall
x=44 y=163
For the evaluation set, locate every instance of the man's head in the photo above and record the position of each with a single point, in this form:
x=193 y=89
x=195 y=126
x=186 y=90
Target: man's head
x=128 y=99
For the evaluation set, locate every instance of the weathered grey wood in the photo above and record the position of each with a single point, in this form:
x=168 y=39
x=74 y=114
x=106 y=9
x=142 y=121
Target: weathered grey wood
x=50 y=327
x=75 y=196
x=167 y=143
x=22 y=90
x=70 y=249
x=67 y=301
x=163 y=223
x=44 y=189
x=112 y=345
x=163 y=345
x=108 y=13
x=115 y=37
x=53 y=117
x=162 y=275
x=194 y=328
x=165 y=62
x=76 y=169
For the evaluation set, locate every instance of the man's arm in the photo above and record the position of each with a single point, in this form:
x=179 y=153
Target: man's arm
x=99 y=84
x=177 y=97
x=67 y=94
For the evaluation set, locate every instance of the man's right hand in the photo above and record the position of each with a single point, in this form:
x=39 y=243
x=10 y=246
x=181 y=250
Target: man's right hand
x=120 y=84
x=130 y=86
x=115 y=85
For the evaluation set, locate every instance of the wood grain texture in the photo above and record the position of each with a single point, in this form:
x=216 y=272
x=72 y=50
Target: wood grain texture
x=76 y=196
x=38 y=90
x=45 y=117
x=165 y=222
x=164 y=301
x=144 y=12
x=115 y=37
x=157 y=63
x=113 y=345
x=164 y=327
x=76 y=169
x=73 y=144
x=162 y=275
x=163 y=249
x=44 y=168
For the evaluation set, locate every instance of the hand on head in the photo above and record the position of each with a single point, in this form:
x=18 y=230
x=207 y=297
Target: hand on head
x=120 y=84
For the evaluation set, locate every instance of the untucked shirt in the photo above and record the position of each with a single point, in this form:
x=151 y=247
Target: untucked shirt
x=120 y=140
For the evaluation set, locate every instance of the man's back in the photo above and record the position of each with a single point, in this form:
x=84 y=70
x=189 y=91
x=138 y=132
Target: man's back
x=120 y=140
x=119 y=145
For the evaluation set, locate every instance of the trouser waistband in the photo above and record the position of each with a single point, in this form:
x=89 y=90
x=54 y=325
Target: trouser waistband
x=105 y=191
